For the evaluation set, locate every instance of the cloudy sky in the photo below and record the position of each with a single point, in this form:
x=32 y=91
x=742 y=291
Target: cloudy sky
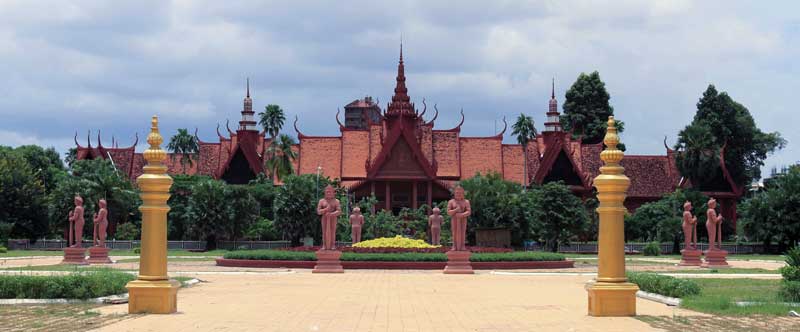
x=110 y=65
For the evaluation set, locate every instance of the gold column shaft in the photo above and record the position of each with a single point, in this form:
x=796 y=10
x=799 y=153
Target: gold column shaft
x=152 y=291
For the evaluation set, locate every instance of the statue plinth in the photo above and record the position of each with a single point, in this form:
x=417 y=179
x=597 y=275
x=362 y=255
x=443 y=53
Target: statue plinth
x=691 y=257
x=328 y=262
x=154 y=297
x=99 y=255
x=75 y=256
x=612 y=298
x=716 y=258
x=458 y=262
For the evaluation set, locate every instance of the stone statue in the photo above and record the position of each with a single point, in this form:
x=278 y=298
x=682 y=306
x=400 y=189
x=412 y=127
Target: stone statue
x=330 y=209
x=100 y=220
x=714 y=226
x=459 y=210
x=356 y=221
x=76 y=224
x=435 y=223
x=689 y=227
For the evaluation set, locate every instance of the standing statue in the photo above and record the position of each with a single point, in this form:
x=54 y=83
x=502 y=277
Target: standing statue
x=435 y=223
x=459 y=210
x=356 y=221
x=689 y=227
x=714 y=226
x=330 y=209
x=100 y=220
x=76 y=224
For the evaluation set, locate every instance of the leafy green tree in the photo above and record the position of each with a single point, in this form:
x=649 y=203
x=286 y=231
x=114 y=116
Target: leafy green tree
x=71 y=156
x=280 y=156
x=722 y=122
x=497 y=203
x=586 y=109
x=22 y=197
x=559 y=213
x=295 y=206
x=272 y=120
x=263 y=230
x=128 y=231
x=263 y=191
x=772 y=215
x=661 y=220
x=45 y=163
x=243 y=211
x=209 y=205
x=185 y=145
x=106 y=182
x=181 y=214
x=525 y=131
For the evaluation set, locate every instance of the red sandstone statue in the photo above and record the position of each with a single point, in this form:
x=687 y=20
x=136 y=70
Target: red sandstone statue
x=435 y=223
x=714 y=226
x=459 y=210
x=689 y=227
x=356 y=221
x=100 y=220
x=330 y=209
x=76 y=224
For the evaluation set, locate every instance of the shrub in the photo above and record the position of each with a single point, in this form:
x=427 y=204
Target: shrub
x=127 y=231
x=393 y=242
x=137 y=250
x=652 y=249
x=664 y=285
x=3 y=250
x=74 y=286
x=516 y=256
x=790 y=273
x=273 y=255
x=790 y=287
x=790 y=290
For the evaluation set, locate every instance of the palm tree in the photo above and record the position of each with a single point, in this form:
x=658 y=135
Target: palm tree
x=272 y=120
x=525 y=131
x=185 y=145
x=281 y=156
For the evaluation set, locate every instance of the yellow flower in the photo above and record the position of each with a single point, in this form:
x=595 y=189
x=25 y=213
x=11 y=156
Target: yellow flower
x=394 y=242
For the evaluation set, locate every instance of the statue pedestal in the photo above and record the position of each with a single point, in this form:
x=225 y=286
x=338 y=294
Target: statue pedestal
x=154 y=297
x=716 y=258
x=328 y=262
x=75 y=256
x=612 y=299
x=458 y=262
x=691 y=257
x=99 y=255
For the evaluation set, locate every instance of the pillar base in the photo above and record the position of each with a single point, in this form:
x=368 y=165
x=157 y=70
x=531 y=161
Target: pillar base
x=99 y=255
x=76 y=256
x=691 y=257
x=328 y=262
x=612 y=299
x=458 y=262
x=716 y=258
x=154 y=297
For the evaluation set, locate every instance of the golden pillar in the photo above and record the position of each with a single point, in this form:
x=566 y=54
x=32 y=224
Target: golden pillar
x=611 y=294
x=152 y=291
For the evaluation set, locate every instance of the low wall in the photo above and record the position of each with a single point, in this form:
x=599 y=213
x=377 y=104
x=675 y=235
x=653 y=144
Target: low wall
x=376 y=265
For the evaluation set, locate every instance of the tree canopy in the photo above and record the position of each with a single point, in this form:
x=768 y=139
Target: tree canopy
x=772 y=215
x=722 y=122
x=586 y=109
x=22 y=197
x=185 y=145
x=272 y=120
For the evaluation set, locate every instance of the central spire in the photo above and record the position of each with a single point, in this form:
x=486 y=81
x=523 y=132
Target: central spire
x=400 y=100
x=248 y=121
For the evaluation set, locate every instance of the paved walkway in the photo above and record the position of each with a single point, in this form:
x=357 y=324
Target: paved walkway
x=386 y=301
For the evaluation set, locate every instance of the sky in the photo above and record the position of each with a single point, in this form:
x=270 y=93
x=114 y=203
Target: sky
x=68 y=66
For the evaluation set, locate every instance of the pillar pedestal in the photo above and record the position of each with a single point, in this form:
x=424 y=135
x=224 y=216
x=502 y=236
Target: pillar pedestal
x=716 y=258
x=612 y=299
x=328 y=262
x=458 y=262
x=691 y=257
x=99 y=255
x=154 y=297
x=76 y=256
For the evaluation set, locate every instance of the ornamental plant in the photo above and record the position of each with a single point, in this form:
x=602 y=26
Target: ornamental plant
x=790 y=287
x=394 y=242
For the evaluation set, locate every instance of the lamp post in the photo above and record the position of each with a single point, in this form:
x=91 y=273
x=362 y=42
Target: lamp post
x=611 y=294
x=319 y=170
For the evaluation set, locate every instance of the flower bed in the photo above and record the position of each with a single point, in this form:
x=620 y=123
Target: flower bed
x=74 y=286
x=395 y=242
x=389 y=250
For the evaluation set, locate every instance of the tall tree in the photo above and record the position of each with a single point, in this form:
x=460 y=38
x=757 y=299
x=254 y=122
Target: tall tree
x=560 y=214
x=185 y=145
x=586 y=108
x=295 y=206
x=272 y=120
x=280 y=156
x=722 y=122
x=772 y=214
x=210 y=208
x=45 y=163
x=22 y=198
x=525 y=131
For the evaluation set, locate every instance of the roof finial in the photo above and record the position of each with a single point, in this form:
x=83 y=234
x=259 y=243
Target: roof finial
x=401 y=47
x=553 y=91
x=248 y=87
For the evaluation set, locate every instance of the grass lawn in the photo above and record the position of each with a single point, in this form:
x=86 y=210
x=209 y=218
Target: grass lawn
x=178 y=259
x=63 y=268
x=55 y=317
x=718 y=296
x=115 y=252
x=733 y=270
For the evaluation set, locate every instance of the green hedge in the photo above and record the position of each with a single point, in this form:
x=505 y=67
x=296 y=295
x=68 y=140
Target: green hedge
x=3 y=250
x=516 y=256
x=652 y=249
x=790 y=287
x=281 y=255
x=790 y=290
x=664 y=285
x=82 y=286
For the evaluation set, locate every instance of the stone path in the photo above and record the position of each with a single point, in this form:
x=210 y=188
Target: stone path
x=386 y=301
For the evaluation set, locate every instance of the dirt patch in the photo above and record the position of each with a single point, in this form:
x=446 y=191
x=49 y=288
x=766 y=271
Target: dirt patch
x=723 y=323
x=55 y=317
